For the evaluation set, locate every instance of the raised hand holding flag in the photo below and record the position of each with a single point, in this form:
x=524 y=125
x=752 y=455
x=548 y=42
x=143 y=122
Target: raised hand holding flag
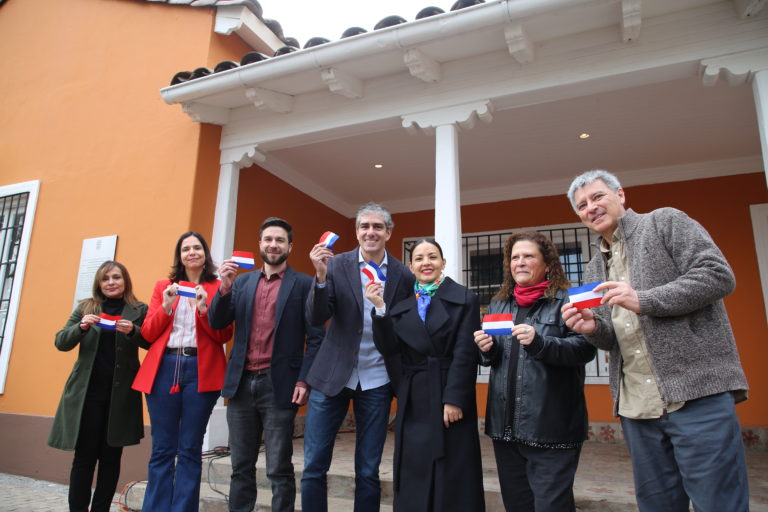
x=328 y=239
x=244 y=259
x=584 y=296
x=187 y=289
x=499 y=324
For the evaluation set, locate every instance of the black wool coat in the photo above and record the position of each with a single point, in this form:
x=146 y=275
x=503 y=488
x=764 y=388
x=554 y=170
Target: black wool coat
x=436 y=468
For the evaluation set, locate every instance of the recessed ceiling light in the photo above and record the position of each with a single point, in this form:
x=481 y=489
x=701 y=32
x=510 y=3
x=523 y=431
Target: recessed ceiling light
x=378 y=166
x=584 y=136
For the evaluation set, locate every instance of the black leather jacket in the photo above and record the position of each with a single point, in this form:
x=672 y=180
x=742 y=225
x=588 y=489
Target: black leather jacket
x=549 y=406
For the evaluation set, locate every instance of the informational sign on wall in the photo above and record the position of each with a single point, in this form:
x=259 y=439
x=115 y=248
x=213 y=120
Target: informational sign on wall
x=95 y=251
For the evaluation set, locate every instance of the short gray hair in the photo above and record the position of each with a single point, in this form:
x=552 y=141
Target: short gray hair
x=586 y=178
x=375 y=209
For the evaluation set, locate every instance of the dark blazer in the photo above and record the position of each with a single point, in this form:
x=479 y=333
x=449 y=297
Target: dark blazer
x=290 y=363
x=341 y=301
x=436 y=468
x=125 y=425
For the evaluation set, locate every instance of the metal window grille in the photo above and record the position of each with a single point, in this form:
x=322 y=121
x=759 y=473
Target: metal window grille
x=483 y=273
x=12 y=214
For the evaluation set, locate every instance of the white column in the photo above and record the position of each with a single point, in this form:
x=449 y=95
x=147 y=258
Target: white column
x=447 y=199
x=223 y=238
x=445 y=124
x=760 y=90
x=222 y=244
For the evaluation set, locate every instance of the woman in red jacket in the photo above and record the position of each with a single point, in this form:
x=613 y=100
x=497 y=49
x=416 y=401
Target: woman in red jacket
x=181 y=375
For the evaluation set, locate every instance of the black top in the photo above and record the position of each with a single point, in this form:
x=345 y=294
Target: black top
x=99 y=387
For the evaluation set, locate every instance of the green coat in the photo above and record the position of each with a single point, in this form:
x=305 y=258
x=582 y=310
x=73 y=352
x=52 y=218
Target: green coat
x=126 y=415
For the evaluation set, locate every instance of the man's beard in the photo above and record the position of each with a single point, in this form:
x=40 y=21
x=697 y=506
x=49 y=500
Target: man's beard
x=268 y=257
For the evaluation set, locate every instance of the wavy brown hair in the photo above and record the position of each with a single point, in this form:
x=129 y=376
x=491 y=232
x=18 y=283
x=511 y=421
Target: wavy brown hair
x=92 y=305
x=557 y=279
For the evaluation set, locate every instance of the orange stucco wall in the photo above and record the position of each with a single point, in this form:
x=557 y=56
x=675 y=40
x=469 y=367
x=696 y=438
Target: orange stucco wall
x=720 y=204
x=82 y=113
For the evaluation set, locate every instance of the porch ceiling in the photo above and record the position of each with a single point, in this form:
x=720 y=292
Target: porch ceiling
x=551 y=69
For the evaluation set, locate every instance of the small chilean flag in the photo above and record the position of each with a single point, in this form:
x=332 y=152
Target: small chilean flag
x=328 y=239
x=187 y=289
x=107 y=321
x=244 y=259
x=583 y=297
x=373 y=272
x=498 y=324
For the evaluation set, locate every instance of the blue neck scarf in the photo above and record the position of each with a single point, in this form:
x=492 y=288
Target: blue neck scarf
x=424 y=293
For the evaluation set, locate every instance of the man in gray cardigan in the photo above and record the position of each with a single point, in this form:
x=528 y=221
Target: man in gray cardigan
x=674 y=367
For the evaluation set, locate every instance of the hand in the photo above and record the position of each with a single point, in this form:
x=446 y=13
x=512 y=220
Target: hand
x=483 y=341
x=124 y=326
x=619 y=293
x=87 y=321
x=451 y=414
x=579 y=320
x=319 y=255
x=300 y=395
x=201 y=296
x=227 y=274
x=374 y=292
x=169 y=296
x=524 y=333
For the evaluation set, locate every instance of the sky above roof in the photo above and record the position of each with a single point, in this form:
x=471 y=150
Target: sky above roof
x=304 y=19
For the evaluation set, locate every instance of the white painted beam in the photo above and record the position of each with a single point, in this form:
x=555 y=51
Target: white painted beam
x=200 y=113
x=631 y=19
x=243 y=22
x=342 y=83
x=518 y=43
x=422 y=67
x=265 y=99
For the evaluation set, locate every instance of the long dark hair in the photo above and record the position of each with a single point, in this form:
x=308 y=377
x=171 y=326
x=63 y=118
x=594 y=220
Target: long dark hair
x=557 y=279
x=92 y=305
x=178 y=273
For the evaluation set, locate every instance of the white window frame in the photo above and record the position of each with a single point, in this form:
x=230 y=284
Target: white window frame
x=759 y=213
x=33 y=189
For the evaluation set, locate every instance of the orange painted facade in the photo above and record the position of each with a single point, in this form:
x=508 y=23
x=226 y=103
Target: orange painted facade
x=82 y=113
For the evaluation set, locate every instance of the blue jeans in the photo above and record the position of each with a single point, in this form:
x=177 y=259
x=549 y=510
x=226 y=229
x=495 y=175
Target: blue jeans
x=250 y=414
x=178 y=426
x=324 y=417
x=693 y=453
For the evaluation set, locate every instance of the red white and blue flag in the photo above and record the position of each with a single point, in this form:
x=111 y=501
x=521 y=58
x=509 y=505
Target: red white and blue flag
x=244 y=259
x=583 y=297
x=498 y=324
x=108 y=321
x=328 y=239
x=373 y=272
x=187 y=289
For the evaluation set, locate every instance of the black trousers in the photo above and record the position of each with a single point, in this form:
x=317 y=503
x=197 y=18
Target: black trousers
x=91 y=448
x=536 y=479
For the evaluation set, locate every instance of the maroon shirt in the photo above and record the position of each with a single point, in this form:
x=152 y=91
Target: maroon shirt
x=262 y=336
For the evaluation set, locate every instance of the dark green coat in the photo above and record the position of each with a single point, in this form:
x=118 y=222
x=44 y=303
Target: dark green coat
x=126 y=415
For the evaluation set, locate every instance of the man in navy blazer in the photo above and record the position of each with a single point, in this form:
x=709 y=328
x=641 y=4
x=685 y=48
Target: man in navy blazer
x=348 y=366
x=266 y=374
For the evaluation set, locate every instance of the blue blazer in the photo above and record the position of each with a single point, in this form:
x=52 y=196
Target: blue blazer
x=341 y=301
x=290 y=362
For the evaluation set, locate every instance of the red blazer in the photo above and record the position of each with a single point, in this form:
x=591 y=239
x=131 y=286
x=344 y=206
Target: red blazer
x=156 y=329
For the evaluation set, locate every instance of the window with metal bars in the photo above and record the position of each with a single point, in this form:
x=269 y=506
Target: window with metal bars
x=483 y=271
x=13 y=210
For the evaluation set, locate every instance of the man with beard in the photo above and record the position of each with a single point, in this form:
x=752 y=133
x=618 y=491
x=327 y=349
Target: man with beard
x=268 y=364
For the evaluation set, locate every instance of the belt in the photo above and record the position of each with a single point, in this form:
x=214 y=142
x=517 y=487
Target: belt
x=257 y=373
x=182 y=351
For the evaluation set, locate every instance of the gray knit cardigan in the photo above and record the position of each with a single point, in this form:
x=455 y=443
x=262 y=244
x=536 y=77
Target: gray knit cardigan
x=681 y=278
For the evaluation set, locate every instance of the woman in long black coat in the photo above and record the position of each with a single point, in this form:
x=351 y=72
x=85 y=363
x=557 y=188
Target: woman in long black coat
x=437 y=447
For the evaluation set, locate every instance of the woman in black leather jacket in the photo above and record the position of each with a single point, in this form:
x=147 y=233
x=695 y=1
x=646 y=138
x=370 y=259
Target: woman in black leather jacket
x=536 y=415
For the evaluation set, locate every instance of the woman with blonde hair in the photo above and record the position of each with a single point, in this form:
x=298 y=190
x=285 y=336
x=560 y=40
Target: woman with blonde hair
x=99 y=413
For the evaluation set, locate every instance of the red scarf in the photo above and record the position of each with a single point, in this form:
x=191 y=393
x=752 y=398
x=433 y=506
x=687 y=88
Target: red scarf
x=527 y=295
